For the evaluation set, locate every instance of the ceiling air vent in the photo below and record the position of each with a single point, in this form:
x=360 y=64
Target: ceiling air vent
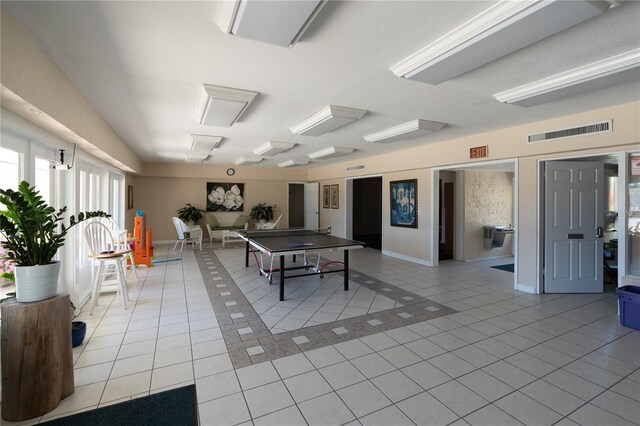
x=604 y=126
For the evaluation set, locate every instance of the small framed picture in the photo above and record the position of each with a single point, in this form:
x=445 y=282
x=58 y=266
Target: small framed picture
x=129 y=197
x=326 y=203
x=404 y=203
x=335 y=196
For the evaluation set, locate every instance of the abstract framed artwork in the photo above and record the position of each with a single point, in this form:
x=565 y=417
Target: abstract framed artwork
x=335 y=196
x=326 y=197
x=225 y=197
x=404 y=203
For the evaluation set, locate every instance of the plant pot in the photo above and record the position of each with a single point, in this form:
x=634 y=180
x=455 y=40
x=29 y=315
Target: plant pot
x=78 y=332
x=35 y=283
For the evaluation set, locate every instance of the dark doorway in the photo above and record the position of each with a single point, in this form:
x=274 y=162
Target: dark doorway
x=445 y=249
x=367 y=211
x=296 y=205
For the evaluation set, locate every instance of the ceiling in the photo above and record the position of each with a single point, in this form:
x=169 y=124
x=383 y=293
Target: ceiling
x=142 y=66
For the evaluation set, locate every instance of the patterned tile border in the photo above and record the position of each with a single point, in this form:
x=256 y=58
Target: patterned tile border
x=249 y=341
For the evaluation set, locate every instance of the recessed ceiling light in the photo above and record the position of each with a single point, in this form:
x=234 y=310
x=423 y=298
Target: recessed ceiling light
x=291 y=163
x=273 y=148
x=195 y=158
x=408 y=130
x=245 y=160
x=276 y=22
x=222 y=106
x=203 y=142
x=327 y=119
x=332 y=151
x=604 y=73
x=497 y=31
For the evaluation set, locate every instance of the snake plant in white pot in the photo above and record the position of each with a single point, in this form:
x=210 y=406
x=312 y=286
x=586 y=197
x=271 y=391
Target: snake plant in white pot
x=31 y=237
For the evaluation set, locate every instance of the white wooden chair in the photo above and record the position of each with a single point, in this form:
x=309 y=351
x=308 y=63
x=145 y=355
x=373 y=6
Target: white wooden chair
x=272 y=225
x=186 y=234
x=120 y=242
x=110 y=273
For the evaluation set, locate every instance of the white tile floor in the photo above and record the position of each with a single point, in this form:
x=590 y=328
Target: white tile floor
x=505 y=358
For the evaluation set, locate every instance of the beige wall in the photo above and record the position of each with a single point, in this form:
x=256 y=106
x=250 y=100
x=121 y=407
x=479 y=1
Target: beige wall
x=488 y=202
x=409 y=243
x=34 y=87
x=334 y=218
x=160 y=197
x=507 y=143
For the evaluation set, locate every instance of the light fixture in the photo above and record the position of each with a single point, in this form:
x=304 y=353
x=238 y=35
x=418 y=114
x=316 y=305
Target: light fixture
x=327 y=119
x=276 y=22
x=195 y=158
x=408 y=130
x=222 y=106
x=332 y=151
x=273 y=148
x=291 y=163
x=604 y=73
x=497 y=31
x=203 y=142
x=245 y=160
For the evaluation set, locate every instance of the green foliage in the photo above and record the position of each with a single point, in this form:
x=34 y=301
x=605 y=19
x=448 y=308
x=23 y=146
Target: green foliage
x=30 y=226
x=190 y=213
x=262 y=212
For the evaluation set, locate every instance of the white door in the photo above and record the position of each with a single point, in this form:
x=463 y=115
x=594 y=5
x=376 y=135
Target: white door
x=574 y=215
x=311 y=205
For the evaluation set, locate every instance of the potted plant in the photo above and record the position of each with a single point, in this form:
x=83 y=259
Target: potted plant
x=262 y=213
x=190 y=214
x=31 y=238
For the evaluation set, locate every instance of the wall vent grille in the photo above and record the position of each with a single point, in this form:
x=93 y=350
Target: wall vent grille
x=359 y=167
x=604 y=126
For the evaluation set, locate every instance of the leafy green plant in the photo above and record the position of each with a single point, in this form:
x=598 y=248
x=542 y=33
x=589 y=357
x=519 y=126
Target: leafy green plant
x=30 y=228
x=262 y=212
x=190 y=213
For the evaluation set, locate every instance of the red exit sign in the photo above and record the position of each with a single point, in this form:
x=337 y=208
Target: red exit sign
x=478 y=151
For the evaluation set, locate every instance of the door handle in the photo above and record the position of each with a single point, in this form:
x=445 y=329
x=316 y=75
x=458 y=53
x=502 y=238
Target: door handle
x=599 y=234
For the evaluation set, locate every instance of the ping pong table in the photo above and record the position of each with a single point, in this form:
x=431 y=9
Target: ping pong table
x=305 y=242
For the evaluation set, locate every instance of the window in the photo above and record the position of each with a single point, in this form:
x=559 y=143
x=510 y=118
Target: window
x=10 y=168
x=43 y=179
x=116 y=198
x=633 y=215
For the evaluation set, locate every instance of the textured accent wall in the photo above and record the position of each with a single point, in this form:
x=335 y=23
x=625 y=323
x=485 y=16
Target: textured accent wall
x=488 y=201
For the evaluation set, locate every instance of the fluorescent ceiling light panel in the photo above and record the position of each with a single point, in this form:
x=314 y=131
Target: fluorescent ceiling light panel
x=499 y=30
x=408 y=130
x=327 y=119
x=291 y=163
x=273 y=148
x=195 y=158
x=203 y=142
x=245 y=160
x=222 y=106
x=275 y=22
x=617 y=69
x=332 y=151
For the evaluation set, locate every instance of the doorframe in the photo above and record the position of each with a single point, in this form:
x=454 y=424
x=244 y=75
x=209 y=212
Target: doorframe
x=435 y=209
x=622 y=205
x=348 y=205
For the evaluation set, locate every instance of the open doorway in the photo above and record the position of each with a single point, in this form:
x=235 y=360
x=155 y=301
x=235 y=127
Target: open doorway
x=303 y=205
x=475 y=214
x=296 y=205
x=367 y=211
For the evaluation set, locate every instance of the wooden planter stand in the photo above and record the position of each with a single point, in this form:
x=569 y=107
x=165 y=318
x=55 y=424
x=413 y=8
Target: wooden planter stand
x=37 y=361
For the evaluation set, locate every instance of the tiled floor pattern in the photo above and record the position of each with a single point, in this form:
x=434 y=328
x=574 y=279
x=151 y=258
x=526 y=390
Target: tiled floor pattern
x=249 y=341
x=507 y=358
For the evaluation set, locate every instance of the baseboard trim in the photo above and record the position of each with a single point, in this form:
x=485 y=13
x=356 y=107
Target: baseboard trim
x=525 y=288
x=408 y=258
